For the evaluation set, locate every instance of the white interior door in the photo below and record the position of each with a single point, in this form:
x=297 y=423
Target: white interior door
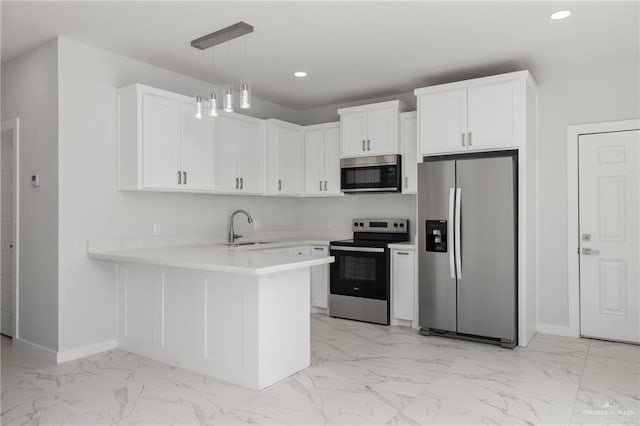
x=609 y=234
x=7 y=232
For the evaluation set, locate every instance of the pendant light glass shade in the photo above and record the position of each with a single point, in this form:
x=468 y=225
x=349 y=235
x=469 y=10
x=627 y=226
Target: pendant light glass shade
x=213 y=105
x=245 y=95
x=227 y=101
x=198 y=107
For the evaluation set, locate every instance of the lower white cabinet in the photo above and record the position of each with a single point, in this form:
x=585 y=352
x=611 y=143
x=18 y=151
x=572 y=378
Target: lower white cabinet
x=320 y=279
x=403 y=284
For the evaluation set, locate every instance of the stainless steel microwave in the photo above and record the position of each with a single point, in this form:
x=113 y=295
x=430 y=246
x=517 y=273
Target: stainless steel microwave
x=381 y=173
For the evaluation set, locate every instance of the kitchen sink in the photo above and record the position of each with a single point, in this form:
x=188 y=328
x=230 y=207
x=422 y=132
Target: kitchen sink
x=245 y=243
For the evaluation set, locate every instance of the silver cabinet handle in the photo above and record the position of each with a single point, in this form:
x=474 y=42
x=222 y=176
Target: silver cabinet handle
x=241 y=183
x=363 y=142
x=184 y=176
x=457 y=232
x=470 y=143
x=279 y=185
x=452 y=257
x=463 y=139
x=368 y=144
x=360 y=249
x=589 y=252
x=237 y=183
x=319 y=248
x=403 y=253
x=406 y=182
x=320 y=185
x=179 y=178
x=325 y=185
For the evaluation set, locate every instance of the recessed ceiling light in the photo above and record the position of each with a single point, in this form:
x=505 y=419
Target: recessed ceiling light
x=561 y=14
x=300 y=74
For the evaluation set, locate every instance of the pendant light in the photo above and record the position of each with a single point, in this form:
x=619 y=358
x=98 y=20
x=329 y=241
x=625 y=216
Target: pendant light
x=245 y=90
x=213 y=105
x=227 y=101
x=198 y=107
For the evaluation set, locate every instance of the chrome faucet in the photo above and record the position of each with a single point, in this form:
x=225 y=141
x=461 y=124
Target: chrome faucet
x=232 y=236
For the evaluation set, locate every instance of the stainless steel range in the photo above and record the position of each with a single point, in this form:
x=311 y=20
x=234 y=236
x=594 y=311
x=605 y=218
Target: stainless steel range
x=360 y=275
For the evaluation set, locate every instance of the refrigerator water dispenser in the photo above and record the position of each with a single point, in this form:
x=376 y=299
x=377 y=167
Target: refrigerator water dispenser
x=436 y=237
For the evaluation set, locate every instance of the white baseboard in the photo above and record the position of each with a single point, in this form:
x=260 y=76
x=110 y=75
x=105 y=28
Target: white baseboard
x=34 y=351
x=557 y=330
x=86 y=351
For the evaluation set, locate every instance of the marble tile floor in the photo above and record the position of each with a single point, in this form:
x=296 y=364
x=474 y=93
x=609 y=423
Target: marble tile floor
x=361 y=374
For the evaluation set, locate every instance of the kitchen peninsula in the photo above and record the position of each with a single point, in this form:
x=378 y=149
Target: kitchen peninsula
x=240 y=314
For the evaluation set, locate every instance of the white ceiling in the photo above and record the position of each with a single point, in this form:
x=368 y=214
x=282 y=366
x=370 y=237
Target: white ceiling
x=351 y=50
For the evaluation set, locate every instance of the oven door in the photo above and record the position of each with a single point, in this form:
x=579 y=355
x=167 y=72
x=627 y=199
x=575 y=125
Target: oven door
x=360 y=272
x=371 y=174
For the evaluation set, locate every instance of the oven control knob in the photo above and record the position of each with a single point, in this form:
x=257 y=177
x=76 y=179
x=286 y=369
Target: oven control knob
x=361 y=224
x=355 y=224
x=402 y=225
x=395 y=225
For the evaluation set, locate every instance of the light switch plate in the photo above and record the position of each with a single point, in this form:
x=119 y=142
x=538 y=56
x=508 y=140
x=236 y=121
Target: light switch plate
x=35 y=181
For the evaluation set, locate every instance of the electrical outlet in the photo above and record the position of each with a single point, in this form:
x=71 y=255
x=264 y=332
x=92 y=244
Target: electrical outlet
x=156 y=229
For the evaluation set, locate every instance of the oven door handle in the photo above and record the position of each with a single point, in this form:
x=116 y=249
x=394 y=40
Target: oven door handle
x=361 y=249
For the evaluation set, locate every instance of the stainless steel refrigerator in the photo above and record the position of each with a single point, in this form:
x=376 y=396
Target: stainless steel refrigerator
x=467 y=235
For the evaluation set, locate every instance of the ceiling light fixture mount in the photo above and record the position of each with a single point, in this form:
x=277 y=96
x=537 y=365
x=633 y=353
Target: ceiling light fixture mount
x=224 y=35
x=561 y=14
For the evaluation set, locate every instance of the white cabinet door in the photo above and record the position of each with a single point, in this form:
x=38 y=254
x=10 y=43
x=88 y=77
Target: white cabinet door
x=319 y=279
x=289 y=162
x=225 y=174
x=382 y=132
x=409 y=139
x=403 y=283
x=314 y=161
x=332 y=161
x=161 y=133
x=354 y=134
x=198 y=151
x=443 y=122
x=249 y=157
x=494 y=116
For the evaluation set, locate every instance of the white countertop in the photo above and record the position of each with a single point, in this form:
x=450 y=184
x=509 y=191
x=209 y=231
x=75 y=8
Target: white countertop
x=255 y=260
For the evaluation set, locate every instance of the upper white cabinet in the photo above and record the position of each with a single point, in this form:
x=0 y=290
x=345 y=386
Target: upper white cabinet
x=239 y=154
x=162 y=146
x=284 y=155
x=370 y=129
x=322 y=159
x=474 y=115
x=408 y=142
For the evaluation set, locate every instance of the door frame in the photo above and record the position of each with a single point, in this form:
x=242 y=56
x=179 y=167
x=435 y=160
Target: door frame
x=14 y=126
x=573 y=213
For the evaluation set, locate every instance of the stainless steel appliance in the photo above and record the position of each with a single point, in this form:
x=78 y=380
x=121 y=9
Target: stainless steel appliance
x=380 y=173
x=359 y=277
x=467 y=234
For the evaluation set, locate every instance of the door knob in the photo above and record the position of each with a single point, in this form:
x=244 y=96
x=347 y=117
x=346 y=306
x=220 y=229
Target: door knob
x=589 y=251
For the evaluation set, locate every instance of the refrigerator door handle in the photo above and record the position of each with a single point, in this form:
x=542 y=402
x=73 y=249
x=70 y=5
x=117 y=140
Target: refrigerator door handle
x=452 y=257
x=458 y=245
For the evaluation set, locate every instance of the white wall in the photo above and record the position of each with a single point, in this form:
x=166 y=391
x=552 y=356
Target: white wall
x=92 y=208
x=30 y=92
x=601 y=92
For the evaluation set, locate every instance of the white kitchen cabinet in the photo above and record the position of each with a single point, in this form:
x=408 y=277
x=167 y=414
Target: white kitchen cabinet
x=370 y=129
x=403 y=284
x=284 y=156
x=409 y=141
x=320 y=279
x=322 y=159
x=239 y=154
x=162 y=146
x=474 y=115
